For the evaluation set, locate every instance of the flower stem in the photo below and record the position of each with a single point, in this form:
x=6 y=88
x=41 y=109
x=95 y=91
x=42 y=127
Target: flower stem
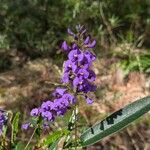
x=75 y=126
x=30 y=139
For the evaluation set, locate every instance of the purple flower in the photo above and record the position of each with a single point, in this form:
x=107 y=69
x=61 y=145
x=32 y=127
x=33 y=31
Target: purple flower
x=3 y=120
x=59 y=92
x=92 y=45
x=92 y=76
x=89 y=56
x=91 y=88
x=59 y=103
x=66 y=78
x=25 y=126
x=69 y=66
x=70 y=98
x=48 y=105
x=83 y=72
x=65 y=47
x=77 y=74
x=82 y=85
x=47 y=115
x=89 y=100
x=75 y=55
x=34 y=112
x=78 y=81
x=61 y=112
x=74 y=46
x=87 y=40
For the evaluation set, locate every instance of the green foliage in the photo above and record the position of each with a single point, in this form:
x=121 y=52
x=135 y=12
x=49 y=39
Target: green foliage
x=55 y=136
x=36 y=27
x=136 y=63
x=15 y=126
x=116 y=121
x=54 y=145
x=19 y=146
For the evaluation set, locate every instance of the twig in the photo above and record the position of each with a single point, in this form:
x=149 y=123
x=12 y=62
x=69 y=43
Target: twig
x=30 y=139
x=109 y=29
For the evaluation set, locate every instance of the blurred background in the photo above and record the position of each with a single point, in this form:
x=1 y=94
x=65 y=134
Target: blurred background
x=31 y=33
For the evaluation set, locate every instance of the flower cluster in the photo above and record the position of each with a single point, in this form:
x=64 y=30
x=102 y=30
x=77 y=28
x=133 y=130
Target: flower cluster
x=50 y=109
x=77 y=74
x=77 y=69
x=3 y=120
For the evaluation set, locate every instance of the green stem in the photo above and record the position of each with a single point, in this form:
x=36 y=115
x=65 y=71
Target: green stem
x=75 y=126
x=30 y=139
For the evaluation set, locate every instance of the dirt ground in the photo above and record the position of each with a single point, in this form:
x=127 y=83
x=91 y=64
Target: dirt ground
x=25 y=87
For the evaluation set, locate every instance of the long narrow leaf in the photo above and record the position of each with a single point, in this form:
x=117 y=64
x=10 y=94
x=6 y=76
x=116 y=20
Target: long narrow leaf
x=116 y=121
x=54 y=145
x=15 y=126
x=55 y=136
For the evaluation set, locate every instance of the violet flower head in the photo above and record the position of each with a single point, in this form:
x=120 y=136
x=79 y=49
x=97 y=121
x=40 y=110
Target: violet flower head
x=77 y=75
x=3 y=120
x=78 y=68
x=49 y=110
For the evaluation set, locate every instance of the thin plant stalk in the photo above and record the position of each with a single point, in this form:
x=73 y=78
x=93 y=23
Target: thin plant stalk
x=30 y=139
x=76 y=128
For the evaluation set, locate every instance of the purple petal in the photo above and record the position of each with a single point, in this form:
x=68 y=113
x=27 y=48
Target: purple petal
x=83 y=72
x=61 y=112
x=47 y=115
x=25 y=126
x=34 y=112
x=64 y=46
x=59 y=92
x=87 y=40
x=74 y=46
x=76 y=82
x=80 y=57
x=92 y=45
x=92 y=76
x=70 y=32
x=65 y=78
x=89 y=100
x=90 y=56
x=70 y=98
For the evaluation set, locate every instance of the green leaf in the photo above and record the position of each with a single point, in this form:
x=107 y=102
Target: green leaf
x=72 y=120
x=15 y=124
x=19 y=146
x=54 y=146
x=116 y=121
x=55 y=136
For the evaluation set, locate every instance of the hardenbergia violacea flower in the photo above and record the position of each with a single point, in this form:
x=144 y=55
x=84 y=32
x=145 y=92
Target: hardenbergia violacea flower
x=77 y=75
